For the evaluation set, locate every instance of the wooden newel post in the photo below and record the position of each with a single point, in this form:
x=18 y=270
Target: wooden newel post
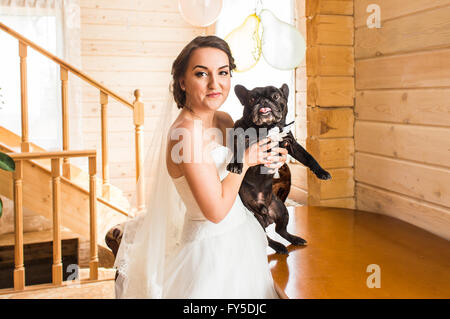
x=25 y=145
x=138 y=116
x=57 y=274
x=105 y=156
x=93 y=262
x=19 y=269
x=65 y=120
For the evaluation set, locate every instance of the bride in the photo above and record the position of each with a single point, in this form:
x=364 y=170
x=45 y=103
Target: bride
x=195 y=238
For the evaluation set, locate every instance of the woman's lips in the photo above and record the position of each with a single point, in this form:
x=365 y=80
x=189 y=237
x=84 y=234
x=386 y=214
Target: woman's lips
x=213 y=95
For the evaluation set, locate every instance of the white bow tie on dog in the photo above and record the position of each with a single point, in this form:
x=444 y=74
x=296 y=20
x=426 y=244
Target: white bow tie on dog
x=277 y=136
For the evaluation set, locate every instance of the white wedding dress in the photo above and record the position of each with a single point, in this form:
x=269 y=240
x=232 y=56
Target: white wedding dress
x=223 y=260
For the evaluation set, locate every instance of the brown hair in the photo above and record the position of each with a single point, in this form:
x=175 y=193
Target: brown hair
x=180 y=64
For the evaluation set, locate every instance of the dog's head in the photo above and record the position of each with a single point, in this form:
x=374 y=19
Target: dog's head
x=264 y=106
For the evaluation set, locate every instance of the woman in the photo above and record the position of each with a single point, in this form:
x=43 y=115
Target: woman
x=222 y=249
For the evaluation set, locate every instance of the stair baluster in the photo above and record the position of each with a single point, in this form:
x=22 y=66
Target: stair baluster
x=25 y=146
x=19 y=269
x=56 y=205
x=138 y=116
x=93 y=263
x=105 y=156
x=65 y=119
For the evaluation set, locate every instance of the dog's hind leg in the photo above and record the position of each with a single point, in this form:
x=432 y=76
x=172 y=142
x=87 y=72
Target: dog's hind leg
x=278 y=247
x=280 y=213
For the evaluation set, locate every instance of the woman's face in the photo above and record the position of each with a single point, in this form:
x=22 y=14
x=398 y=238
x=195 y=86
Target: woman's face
x=207 y=79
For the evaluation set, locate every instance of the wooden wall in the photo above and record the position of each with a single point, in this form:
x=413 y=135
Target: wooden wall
x=402 y=127
x=128 y=45
x=330 y=100
x=299 y=187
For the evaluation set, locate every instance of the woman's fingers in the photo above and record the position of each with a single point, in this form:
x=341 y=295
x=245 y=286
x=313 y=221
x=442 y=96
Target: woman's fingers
x=268 y=146
x=264 y=142
x=278 y=154
x=281 y=150
x=276 y=161
x=275 y=158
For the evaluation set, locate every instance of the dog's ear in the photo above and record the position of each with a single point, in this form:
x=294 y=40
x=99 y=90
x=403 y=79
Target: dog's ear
x=285 y=89
x=241 y=93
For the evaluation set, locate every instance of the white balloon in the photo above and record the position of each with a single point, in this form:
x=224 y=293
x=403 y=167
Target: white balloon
x=200 y=13
x=283 y=47
x=245 y=44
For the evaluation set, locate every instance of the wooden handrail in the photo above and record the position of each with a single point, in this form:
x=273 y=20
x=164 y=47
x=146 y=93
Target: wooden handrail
x=64 y=64
x=57 y=271
x=54 y=154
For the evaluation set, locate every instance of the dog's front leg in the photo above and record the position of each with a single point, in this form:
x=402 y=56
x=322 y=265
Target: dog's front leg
x=236 y=165
x=301 y=155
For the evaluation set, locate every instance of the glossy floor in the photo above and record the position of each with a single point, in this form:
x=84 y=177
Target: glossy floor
x=342 y=243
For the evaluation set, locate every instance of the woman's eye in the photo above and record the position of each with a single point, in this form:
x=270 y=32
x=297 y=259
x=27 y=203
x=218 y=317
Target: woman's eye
x=224 y=72
x=199 y=74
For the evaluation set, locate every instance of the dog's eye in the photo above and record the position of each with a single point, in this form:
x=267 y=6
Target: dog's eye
x=276 y=96
x=251 y=100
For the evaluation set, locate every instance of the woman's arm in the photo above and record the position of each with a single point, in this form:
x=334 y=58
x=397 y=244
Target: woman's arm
x=214 y=197
x=232 y=182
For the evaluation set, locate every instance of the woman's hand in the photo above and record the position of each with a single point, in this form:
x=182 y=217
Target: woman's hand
x=258 y=153
x=278 y=158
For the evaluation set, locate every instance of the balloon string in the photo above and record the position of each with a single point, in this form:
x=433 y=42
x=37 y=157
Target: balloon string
x=260 y=7
x=256 y=50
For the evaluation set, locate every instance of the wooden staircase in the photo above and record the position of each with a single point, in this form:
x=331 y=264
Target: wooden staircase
x=75 y=211
x=48 y=185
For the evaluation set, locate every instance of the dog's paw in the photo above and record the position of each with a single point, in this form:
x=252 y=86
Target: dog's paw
x=322 y=174
x=298 y=241
x=235 y=168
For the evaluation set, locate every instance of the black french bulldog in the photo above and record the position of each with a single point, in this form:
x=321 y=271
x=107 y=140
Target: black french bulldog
x=266 y=107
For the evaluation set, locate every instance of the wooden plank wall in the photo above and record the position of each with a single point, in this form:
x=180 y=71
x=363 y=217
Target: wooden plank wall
x=330 y=100
x=402 y=127
x=128 y=45
x=299 y=187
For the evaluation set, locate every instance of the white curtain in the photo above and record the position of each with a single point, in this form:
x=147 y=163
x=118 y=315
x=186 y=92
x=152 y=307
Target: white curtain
x=55 y=26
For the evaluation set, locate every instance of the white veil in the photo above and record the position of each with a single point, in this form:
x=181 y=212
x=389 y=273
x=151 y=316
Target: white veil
x=154 y=233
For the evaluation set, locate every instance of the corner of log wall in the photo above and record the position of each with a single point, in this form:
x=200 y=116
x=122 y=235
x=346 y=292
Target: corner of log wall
x=330 y=95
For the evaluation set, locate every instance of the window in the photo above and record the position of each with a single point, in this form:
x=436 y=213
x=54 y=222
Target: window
x=42 y=25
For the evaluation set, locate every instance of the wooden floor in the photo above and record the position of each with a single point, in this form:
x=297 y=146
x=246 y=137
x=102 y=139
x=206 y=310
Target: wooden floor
x=343 y=242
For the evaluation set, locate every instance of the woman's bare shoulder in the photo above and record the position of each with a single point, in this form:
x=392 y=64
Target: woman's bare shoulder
x=179 y=125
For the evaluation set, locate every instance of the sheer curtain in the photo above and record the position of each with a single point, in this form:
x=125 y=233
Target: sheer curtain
x=55 y=26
